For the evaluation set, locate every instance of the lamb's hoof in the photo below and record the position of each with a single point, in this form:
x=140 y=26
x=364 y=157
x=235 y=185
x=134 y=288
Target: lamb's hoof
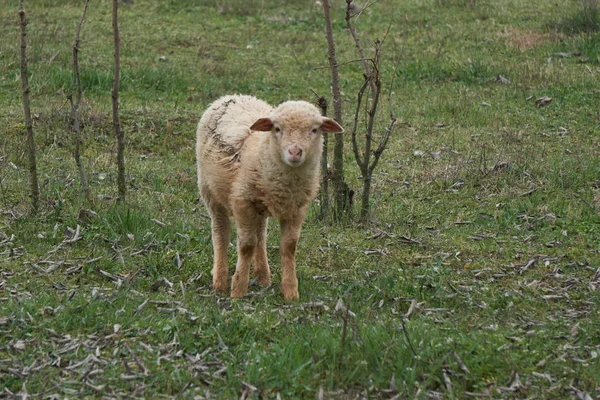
x=264 y=281
x=220 y=285
x=292 y=294
x=239 y=286
x=238 y=292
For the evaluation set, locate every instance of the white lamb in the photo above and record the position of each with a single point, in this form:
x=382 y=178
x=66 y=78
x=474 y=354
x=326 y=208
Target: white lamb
x=256 y=161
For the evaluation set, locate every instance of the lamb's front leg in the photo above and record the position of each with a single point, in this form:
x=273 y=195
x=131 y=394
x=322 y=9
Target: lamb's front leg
x=290 y=233
x=246 y=223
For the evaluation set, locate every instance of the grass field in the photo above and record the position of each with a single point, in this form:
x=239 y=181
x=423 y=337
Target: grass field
x=478 y=276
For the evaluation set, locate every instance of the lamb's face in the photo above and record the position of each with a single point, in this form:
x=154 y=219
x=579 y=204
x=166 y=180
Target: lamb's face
x=297 y=127
x=297 y=140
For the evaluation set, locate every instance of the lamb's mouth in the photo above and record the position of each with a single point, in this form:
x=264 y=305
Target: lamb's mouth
x=294 y=163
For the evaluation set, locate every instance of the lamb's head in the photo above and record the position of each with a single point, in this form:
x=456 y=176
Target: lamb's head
x=296 y=128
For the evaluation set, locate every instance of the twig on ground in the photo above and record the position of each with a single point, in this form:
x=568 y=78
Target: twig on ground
x=345 y=317
x=407 y=337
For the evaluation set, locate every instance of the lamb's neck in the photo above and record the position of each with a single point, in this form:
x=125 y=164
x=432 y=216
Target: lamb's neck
x=294 y=175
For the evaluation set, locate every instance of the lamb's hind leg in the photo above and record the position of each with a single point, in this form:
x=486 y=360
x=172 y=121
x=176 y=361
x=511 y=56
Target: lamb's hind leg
x=261 y=263
x=221 y=229
x=246 y=222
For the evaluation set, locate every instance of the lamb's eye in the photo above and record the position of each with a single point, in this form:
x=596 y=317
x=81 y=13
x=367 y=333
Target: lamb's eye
x=277 y=129
x=314 y=130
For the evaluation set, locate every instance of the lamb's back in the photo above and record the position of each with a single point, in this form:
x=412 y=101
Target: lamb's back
x=226 y=123
x=222 y=132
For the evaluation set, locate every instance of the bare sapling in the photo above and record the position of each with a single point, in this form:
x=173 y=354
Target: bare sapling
x=75 y=103
x=368 y=158
x=115 y=106
x=33 y=178
x=340 y=188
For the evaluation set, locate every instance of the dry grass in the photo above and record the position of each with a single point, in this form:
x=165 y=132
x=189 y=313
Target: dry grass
x=523 y=39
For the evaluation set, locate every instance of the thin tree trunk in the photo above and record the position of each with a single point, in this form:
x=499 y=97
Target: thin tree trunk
x=324 y=165
x=115 y=103
x=33 y=178
x=75 y=110
x=325 y=177
x=367 y=174
x=365 y=207
x=339 y=186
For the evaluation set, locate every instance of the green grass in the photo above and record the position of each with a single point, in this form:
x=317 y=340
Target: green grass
x=504 y=220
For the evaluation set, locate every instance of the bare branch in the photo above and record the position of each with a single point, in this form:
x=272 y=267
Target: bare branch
x=372 y=113
x=367 y=5
x=383 y=144
x=387 y=32
x=357 y=40
x=344 y=63
x=357 y=154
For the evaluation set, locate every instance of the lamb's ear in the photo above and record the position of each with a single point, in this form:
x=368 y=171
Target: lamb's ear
x=263 y=125
x=331 y=126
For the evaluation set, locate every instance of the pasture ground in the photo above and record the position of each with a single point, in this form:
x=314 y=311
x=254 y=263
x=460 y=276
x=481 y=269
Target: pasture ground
x=478 y=276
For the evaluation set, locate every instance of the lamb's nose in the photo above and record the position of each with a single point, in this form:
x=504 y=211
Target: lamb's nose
x=296 y=152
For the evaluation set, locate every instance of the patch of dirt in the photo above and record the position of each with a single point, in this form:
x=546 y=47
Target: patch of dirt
x=523 y=39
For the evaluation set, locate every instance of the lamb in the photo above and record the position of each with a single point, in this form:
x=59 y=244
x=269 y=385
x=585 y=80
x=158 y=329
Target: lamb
x=256 y=161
